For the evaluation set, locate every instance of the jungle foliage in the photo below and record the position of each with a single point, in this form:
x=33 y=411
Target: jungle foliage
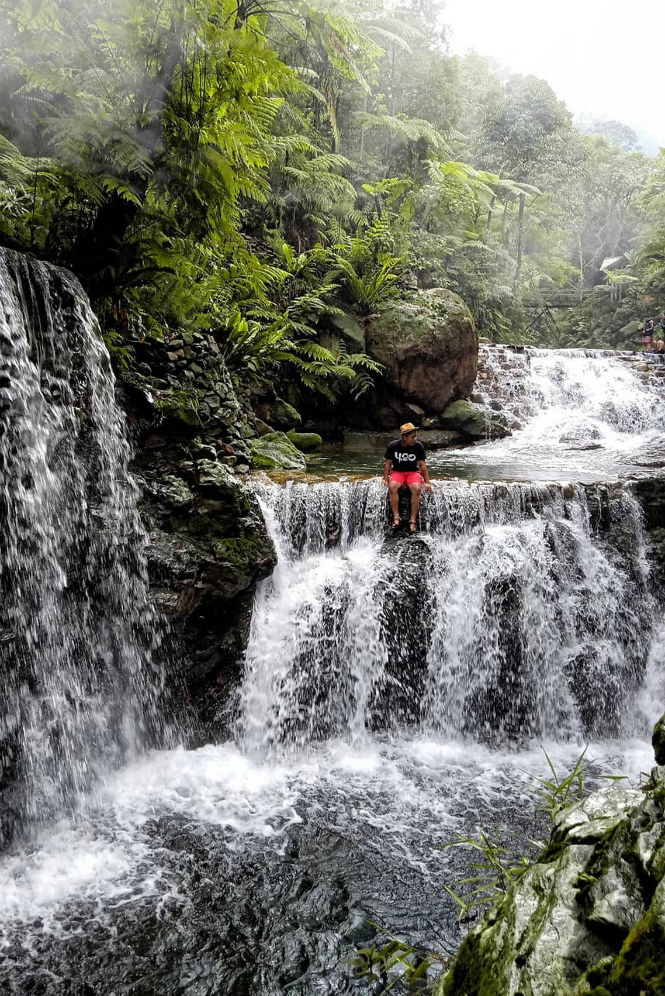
x=256 y=167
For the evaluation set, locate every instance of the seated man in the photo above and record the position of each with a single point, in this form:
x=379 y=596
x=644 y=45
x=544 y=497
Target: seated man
x=405 y=464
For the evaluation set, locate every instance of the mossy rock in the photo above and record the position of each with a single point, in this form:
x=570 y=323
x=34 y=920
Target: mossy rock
x=306 y=442
x=278 y=414
x=275 y=451
x=475 y=421
x=428 y=346
x=180 y=407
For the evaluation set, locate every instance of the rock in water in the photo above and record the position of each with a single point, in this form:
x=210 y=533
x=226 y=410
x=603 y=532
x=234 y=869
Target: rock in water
x=275 y=451
x=306 y=442
x=475 y=421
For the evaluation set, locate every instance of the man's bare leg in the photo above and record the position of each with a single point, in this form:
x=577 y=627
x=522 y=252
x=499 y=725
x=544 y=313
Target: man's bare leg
x=415 y=501
x=393 y=495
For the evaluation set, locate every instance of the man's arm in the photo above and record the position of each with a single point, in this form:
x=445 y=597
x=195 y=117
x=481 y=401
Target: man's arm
x=386 y=470
x=422 y=466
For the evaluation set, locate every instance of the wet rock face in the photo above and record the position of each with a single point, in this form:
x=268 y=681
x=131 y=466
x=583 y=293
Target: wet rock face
x=208 y=549
x=588 y=918
x=193 y=432
x=651 y=495
x=429 y=348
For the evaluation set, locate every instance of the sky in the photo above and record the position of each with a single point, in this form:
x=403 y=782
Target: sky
x=604 y=58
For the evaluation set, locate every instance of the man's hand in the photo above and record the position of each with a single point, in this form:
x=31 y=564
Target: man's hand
x=427 y=486
x=385 y=481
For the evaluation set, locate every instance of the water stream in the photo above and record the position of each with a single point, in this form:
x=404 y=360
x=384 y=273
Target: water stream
x=584 y=415
x=397 y=692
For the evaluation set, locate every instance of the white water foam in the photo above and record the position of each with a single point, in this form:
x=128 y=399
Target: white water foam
x=566 y=401
x=405 y=796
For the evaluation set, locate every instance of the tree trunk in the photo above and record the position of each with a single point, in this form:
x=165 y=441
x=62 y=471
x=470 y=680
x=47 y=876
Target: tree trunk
x=490 y=211
x=520 y=240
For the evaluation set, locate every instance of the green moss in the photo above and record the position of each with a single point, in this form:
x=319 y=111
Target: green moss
x=274 y=451
x=483 y=963
x=640 y=966
x=179 y=406
x=306 y=442
x=242 y=553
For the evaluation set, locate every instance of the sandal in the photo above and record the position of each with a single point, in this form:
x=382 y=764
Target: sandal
x=395 y=526
x=413 y=526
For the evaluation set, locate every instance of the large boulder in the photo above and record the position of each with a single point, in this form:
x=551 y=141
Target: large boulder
x=428 y=346
x=275 y=451
x=306 y=442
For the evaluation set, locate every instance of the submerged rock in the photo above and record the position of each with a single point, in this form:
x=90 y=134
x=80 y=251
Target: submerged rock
x=475 y=421
x=588 y=917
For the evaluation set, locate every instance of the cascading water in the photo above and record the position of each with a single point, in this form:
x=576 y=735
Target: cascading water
x=395 y=694
x=585 y=414
x=512 y=615
x=78 y=692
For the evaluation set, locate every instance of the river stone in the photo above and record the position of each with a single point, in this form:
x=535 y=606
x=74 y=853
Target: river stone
x=306 y=442
x=475 y=421
x=275 y=451
x=440 y=439
x=428 y=346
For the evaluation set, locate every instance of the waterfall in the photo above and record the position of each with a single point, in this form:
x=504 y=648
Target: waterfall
x=519 y=611
x=78 y=690
x=583 y=414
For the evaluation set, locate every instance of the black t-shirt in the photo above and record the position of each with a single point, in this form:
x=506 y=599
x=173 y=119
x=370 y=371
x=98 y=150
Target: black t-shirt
x=405 y=458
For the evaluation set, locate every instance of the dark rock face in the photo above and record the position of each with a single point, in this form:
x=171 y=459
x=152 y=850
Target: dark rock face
x=651 y=495
x=208 y=541
x=429 y=348
x=208 y=548
x=658 y=741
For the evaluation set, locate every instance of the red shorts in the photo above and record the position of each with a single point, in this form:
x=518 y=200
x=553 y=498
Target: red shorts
x=406 y=476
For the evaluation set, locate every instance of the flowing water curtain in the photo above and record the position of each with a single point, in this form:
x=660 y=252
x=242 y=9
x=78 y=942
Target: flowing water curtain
x=80 y=691
x=522 y=610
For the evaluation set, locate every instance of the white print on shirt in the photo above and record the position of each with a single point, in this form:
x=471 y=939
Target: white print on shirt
x=405 y=457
